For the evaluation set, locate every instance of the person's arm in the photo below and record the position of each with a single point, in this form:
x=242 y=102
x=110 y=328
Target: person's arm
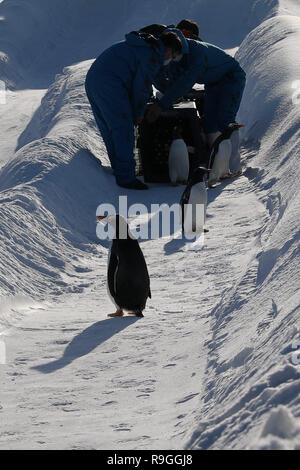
x=142 y=84
x=183 y=84
x=161 y=81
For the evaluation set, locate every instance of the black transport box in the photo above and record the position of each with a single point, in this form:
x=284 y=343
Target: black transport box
x=154 y=141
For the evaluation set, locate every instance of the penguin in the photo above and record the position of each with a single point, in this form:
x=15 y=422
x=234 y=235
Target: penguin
x=221 y=151
x=178 y=159
x=128 y=282
x=194 y=194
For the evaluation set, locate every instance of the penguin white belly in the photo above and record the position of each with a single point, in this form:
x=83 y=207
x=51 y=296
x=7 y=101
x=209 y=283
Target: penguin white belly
x=221 y=164
x=195 y=212
x=178 y=161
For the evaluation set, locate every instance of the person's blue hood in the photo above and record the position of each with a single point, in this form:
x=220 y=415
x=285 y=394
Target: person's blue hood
x=184 y=43
x=135 y=39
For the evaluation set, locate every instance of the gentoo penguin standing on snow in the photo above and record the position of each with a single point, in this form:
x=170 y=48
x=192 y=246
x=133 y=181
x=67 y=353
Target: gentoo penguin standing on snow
x=221 y=150
x=127 y=275
x=178 y=159
x=194 y=202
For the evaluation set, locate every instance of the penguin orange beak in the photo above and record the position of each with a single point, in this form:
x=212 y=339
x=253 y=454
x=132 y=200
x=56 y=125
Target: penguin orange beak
x=100 y=217
x=204 y=169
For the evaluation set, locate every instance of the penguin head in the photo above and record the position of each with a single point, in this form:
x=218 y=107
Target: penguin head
x=118 y=222
x=199 y=175
x=230 y=129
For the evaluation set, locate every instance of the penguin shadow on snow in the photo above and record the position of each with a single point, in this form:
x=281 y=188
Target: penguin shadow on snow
x=86 y=341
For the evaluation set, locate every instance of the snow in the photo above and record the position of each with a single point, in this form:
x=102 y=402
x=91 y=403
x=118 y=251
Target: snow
x=212 y=365
x=19 y=108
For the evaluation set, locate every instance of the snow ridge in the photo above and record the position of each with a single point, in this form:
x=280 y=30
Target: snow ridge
x=251 y=367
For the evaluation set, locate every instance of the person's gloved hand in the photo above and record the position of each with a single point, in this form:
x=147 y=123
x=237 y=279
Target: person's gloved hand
x=153 y=112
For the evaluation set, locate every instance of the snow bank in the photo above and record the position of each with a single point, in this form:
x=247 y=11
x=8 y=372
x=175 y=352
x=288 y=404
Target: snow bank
x=49 y=194
x=37 y=41
x=281 y=431
x=252 y=366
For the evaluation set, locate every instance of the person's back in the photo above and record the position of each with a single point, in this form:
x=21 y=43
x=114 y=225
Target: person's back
x=205 y=64
x=122 y=58
x=118 y=86
x=215 y=61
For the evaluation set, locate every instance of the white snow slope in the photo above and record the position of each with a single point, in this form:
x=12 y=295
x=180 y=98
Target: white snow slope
x=214 y=363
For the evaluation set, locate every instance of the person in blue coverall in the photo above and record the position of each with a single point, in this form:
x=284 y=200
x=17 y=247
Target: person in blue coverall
x=118 y=86
x=203 y=63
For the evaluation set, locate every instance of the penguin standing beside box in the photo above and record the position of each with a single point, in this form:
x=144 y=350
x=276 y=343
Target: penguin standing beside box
x=127 y=274
x=194 y=202
x=178 y=159
x=222 y=149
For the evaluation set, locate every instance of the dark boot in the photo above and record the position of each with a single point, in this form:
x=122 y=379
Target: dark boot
x=135 y=184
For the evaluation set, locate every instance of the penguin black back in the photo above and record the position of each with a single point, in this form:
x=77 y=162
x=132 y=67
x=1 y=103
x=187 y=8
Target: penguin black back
x=127 y=276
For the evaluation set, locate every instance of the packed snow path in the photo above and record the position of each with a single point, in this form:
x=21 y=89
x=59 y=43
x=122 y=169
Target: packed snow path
x=75 y=379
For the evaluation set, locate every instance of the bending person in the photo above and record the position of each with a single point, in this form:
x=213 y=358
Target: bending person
x=118 y=86
x=223 y=77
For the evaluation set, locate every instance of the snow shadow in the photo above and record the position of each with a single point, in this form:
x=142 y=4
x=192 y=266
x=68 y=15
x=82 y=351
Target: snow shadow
x=86 y=341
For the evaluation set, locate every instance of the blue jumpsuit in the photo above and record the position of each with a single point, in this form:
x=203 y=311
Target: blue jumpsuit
x=118 y=86
x=222 y=75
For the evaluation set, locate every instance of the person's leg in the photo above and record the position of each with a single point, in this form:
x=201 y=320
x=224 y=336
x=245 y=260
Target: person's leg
x=110 y=96
x=201 y=156
x=210 y=118
x=230 y=100
x=124 y=165
x=103 y=128
x=231 y=92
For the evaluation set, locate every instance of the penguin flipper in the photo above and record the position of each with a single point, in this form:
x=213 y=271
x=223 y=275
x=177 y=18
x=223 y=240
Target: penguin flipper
x=149 y=295
x=112 y=271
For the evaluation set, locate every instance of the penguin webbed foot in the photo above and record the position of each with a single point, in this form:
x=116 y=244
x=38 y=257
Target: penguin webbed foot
x=231 y=174
x=117 y=313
